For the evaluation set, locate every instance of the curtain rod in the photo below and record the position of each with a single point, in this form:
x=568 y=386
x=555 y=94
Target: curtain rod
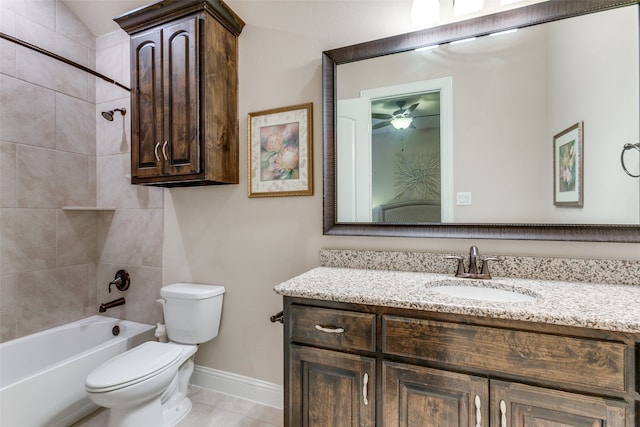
x=62 y=59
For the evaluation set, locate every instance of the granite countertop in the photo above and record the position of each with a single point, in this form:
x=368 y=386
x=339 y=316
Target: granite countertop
x=589 y=305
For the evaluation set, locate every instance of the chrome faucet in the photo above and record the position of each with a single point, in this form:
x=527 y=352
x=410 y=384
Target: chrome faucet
x=472 y=272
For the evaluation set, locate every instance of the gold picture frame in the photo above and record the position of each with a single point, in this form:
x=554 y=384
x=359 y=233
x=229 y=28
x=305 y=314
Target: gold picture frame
x=281 y=151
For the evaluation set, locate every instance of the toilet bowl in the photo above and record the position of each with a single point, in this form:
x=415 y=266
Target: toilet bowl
x=147 y=386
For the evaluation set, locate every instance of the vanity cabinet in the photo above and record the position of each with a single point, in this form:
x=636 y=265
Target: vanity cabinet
x=350 y=364
x=184 y=93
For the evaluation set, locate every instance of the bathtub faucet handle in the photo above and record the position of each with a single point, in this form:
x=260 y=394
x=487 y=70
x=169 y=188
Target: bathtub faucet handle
x=121 y=281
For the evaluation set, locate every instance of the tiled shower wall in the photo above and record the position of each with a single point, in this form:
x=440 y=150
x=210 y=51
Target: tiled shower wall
x=56 y=150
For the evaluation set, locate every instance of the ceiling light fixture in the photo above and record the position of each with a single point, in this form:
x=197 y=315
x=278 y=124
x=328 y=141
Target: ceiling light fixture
x=401 y=122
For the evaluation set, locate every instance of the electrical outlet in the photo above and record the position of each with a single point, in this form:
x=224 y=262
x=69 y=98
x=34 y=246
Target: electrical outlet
x=463 y=198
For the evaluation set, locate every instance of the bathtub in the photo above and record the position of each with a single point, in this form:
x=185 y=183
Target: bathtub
x=42 y=375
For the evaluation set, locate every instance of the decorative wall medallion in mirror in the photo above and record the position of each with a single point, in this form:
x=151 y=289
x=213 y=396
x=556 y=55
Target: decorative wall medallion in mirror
x=457 y=140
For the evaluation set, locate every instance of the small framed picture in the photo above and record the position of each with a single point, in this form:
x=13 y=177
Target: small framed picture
x=281 y=152
x=568 y=163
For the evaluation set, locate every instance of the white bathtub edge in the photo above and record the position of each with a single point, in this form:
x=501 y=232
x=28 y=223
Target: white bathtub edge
x=255 y=390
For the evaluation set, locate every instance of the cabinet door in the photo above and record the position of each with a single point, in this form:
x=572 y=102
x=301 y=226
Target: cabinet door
x=181 y=146
x=519 y=405
x=415 y=396
x=328 y=388
x=146 y=104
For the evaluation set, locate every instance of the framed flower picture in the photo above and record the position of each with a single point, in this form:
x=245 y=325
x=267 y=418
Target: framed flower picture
x=568 y=163
x=281 y=152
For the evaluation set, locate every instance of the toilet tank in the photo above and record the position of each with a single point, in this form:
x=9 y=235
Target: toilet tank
x=192 y=311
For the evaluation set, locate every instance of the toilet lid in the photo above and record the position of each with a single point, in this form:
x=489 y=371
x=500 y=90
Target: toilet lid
x=133 y=366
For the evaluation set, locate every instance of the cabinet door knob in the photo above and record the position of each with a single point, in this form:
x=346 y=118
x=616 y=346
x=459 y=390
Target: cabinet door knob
x=365 y=381
x=503 y=414
x=330 y=330
x=164 y=153
x=155 y=151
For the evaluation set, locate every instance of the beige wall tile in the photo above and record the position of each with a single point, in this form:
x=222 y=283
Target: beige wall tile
x=110 y=179
x=7 y=58
x=7 y=21
x=49 y=298
x=91 y=171
x=109 y=62
x=140 y=196
x=48 y=72
x=72 y=179
x=8 y=168
x=27 y=113
x=49 y=39
x=8 y=311
x=132 y=237
x=7 y=48
x=42 y=12
x=36 y=178
x=75 y=125
x=28 y=240
x=75 y=237
x=117 y=37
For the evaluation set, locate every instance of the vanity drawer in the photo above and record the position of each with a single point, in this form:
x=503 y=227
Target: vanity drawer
x=340 y=329
x=563 y=359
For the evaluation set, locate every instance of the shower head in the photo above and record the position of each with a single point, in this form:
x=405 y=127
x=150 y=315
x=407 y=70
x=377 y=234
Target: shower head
x=109 y=114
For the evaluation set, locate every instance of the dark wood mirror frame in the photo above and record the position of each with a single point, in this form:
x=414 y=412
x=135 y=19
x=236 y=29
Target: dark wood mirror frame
x=531 y=15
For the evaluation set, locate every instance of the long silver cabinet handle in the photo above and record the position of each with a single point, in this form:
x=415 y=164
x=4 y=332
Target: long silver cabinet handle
x=478 y=412
x=365 y=381
x=503 y=414
x=155 y=151
x=330 y=330
x=164 y=153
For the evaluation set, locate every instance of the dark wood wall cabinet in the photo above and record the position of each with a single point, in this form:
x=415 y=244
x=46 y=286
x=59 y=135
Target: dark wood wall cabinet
x=184 y=93
x=359 y=365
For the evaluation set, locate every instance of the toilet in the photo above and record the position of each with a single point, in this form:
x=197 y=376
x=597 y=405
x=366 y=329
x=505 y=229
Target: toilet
x=147 y=385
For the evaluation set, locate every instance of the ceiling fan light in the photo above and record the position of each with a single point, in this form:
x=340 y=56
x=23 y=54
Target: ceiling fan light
x=401 y=122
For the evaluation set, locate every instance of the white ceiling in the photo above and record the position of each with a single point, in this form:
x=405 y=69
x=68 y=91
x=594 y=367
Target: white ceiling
x=383 y=17
x=98 y=15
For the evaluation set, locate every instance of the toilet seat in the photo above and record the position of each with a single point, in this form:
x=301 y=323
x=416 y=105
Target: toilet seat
x=134 y=366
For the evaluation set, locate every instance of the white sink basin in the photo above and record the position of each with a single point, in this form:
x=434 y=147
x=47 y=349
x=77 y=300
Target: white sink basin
x=482 y=293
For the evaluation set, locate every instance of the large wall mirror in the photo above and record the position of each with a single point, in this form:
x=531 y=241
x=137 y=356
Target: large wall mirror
x=474 y=130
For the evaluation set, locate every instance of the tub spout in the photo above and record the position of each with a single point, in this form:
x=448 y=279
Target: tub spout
x=107 y=305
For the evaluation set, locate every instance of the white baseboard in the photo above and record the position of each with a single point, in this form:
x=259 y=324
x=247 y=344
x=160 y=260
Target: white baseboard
x=258 y=391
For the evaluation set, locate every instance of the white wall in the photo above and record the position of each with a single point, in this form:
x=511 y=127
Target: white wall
x=219 y=235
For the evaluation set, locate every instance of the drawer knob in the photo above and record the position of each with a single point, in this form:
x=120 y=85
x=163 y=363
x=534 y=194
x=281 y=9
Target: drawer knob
x=330 y=330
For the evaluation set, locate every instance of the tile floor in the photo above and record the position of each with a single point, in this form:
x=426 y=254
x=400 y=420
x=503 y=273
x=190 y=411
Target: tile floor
x=212 y=409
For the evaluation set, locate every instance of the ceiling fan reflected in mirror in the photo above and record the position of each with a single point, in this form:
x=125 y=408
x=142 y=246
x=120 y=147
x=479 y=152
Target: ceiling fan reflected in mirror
x=415 y=111
x=399 y=119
